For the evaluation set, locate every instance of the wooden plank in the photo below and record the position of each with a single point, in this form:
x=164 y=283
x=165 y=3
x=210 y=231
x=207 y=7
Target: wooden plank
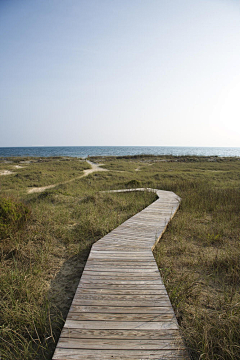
x=122 y=309
x=118 y=272
x=84 y=316
x=126 y=255
x=116 y=297
x=88 y=279
x=117 y=325
x=81 y=301
x=119 y=258
x=133 y=283
x=120 y=334
x=134 y=268
x=104 y=269
x=133 y=286
x=114 y=277
x=89 y=354
x=158 y=291
x=123 y=276
x=124 y=264
x=115 y=344
x=126 y=261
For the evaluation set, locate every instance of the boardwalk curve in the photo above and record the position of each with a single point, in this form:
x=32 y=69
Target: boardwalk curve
x=121 y=309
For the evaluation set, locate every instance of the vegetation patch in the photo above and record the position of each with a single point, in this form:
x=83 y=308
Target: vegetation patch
x=133 y=184
x=13 y=215
x=46 y=238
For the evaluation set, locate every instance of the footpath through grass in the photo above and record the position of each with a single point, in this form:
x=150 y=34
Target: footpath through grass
x=49 y=234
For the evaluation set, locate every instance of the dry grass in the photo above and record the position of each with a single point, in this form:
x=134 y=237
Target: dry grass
x=199 y=258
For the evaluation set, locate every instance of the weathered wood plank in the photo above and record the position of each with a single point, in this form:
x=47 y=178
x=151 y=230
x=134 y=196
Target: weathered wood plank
x=120 y=344
x=158 y=291
x=116 y=297
x=146 y=286
x=119 y=270
x=80 y=301
x=119 y=317
x=122 y=309
x=80 y=354
x=125 y=282
x=113 y=277
x=120 y=334
x=123 y=264
x=116 y=325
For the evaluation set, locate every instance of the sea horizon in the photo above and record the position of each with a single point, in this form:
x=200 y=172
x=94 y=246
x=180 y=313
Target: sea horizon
x=85 y=151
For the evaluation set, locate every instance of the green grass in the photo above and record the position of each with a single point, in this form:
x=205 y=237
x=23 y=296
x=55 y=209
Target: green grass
x=37 y=172
x=199 y=258
x=42 y=256
x=13 y=215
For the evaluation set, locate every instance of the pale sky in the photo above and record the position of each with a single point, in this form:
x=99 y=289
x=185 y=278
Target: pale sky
x=120 y=72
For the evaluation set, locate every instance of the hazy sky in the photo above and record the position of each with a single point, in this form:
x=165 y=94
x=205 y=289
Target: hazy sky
x=120 y=72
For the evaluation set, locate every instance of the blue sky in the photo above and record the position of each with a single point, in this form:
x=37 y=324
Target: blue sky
x=120 y=72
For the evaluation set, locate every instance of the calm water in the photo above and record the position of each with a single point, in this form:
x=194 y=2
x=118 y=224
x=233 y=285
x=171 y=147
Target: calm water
x=84 y=151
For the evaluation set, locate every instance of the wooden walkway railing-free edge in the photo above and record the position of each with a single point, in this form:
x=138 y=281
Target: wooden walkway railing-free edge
x=121 y=309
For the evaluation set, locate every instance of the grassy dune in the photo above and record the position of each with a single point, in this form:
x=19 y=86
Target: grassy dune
x=45 y=241
x=46 y=238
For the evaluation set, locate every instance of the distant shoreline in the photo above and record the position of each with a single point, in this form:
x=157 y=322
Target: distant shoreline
x=85 y=151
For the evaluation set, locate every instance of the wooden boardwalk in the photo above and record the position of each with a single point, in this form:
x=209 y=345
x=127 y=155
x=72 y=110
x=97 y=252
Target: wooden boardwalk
x=121 y=309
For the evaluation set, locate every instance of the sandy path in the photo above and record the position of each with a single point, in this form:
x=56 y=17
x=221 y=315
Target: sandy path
x=95 y=167
x=6 y=172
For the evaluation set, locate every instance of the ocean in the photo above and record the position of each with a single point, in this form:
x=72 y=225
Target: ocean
x=85 y=151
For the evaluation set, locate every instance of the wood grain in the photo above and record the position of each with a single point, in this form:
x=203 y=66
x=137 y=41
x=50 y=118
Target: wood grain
x=90 y=354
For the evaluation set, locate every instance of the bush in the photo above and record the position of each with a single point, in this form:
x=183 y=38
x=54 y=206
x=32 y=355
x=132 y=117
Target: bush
x=132 y=183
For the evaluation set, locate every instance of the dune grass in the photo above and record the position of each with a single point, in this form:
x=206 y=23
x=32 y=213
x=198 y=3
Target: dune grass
x=199 y=258
x=42 y=260
x=37 y=172
x=43 y=255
